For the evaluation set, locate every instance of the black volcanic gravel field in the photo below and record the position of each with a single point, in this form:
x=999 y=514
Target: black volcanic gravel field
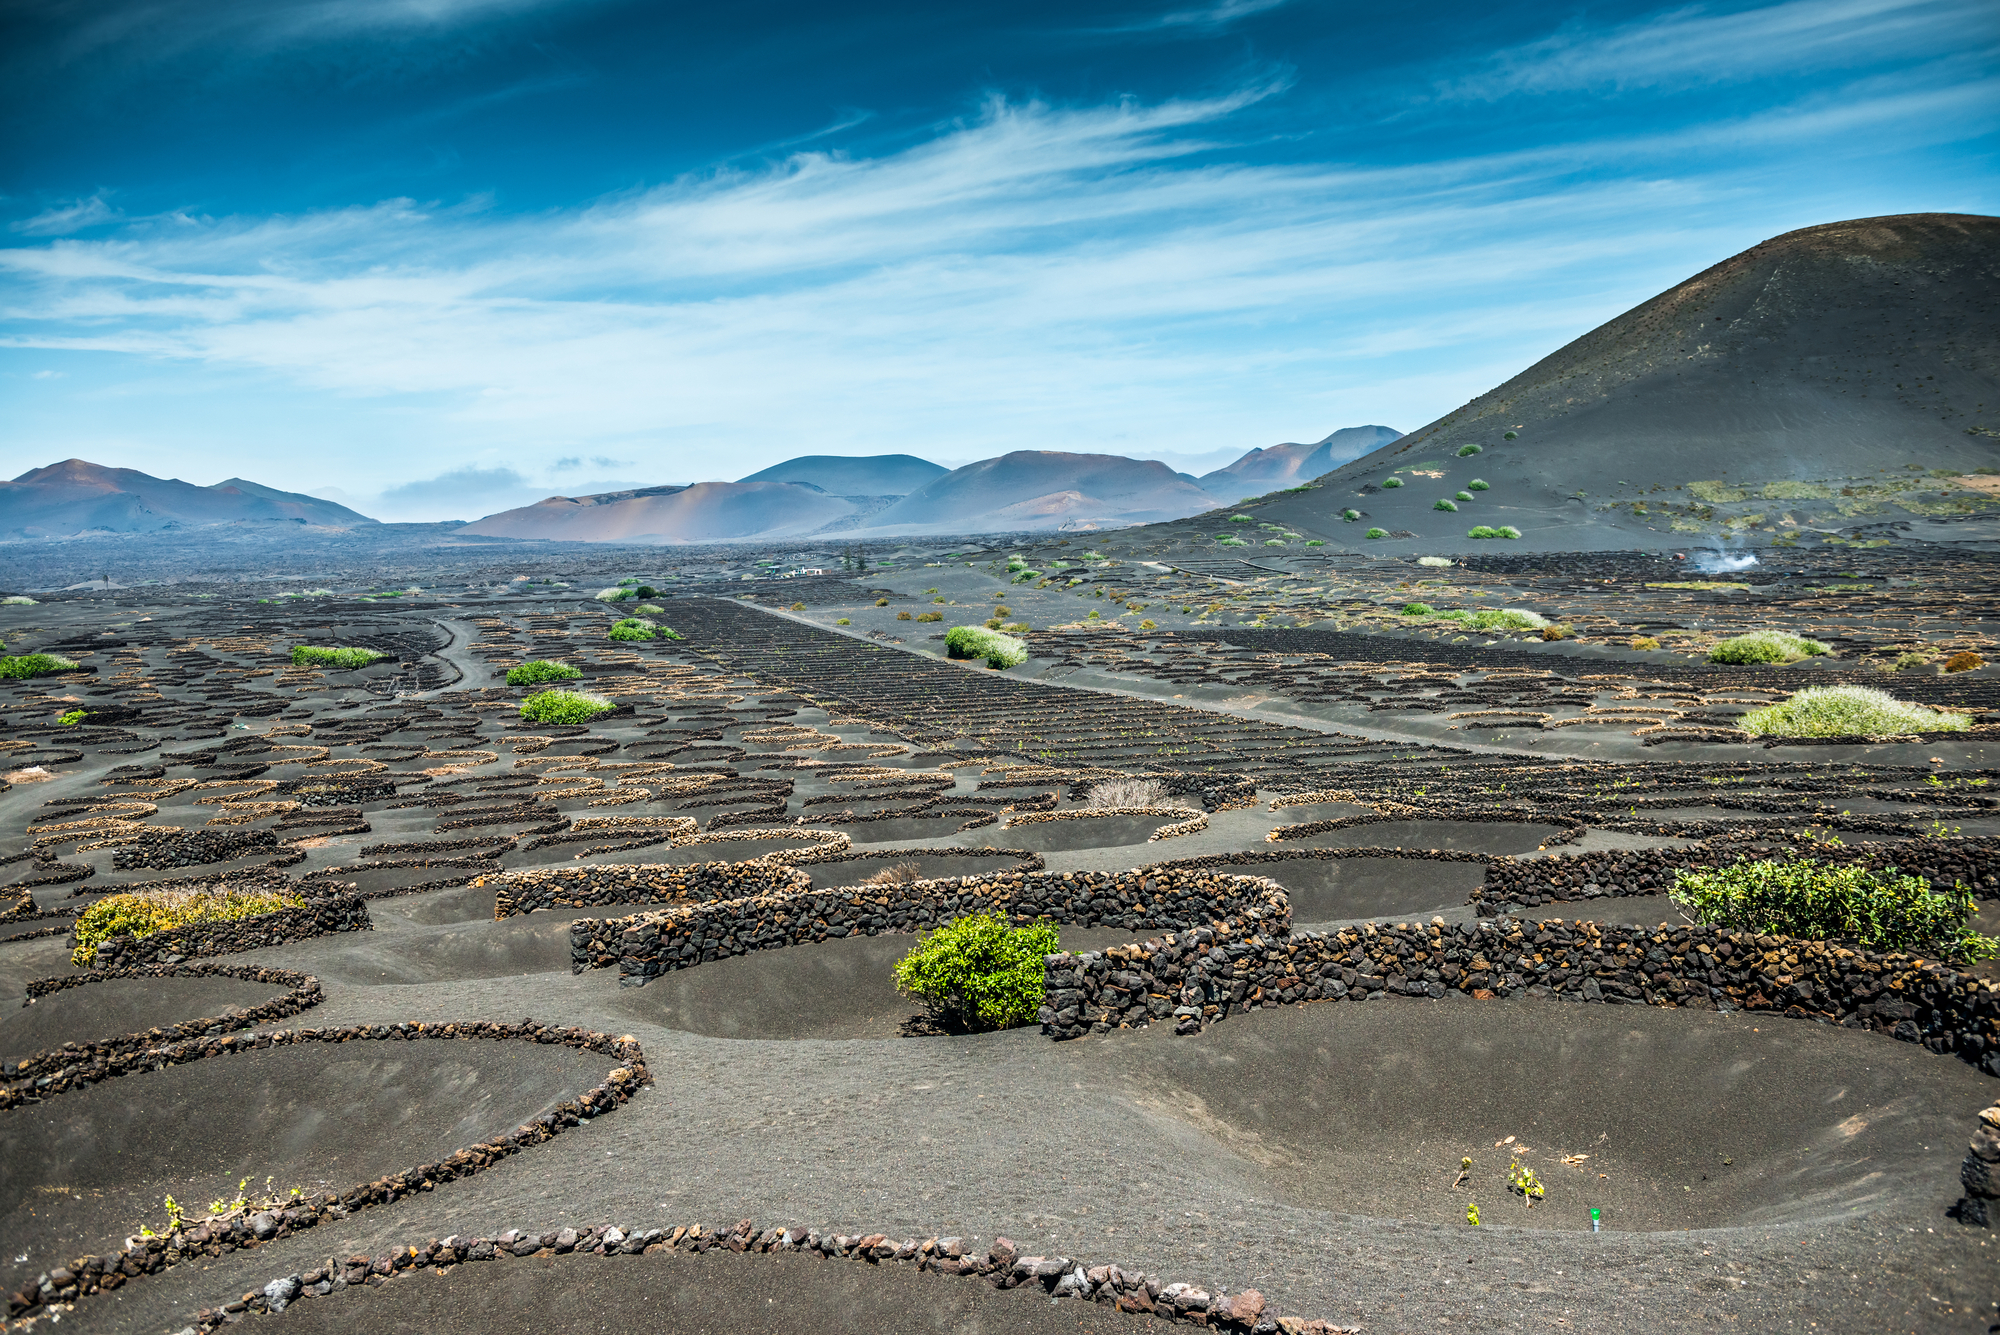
x=1754 y=1170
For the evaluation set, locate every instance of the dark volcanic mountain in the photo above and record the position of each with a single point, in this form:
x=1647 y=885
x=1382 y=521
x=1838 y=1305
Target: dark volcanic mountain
x=840 y=475
x=75 y=497
x=1045 y=489
x=1291 y=463
x=1828 y=378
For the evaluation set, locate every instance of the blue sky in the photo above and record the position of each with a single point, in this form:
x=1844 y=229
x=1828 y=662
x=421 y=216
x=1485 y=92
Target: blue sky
x=447 y=256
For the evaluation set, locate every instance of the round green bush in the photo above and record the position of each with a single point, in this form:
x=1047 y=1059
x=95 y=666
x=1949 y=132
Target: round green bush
x=1350 y=515
x=1389 y=483
x=1506 y=531
x=1446 y=505
x=1464 y=496
x=539 y=670
x=1847 y=711
x=1467 y=451
x=1512 y=435
x=1376 y=533
x=999 y=651
x=979 y=973
x=1418 y=610
x=34 y=665
x=559 y=706
x=1481 y=531
x=1817 y=901
x=632 y=628
x=1478 y=484
x=1766 y=646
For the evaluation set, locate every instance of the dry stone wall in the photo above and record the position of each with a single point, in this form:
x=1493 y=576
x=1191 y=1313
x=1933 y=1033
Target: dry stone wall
x=1973 y=861
x=243 y=1229
x=645 y=883
x=1199 y=977
x=646 y=945
x=322 y=916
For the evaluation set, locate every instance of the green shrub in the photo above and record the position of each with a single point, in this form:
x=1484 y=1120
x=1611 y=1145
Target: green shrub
x=1418 y=610
x=1315 y=542
x=18 y=600
x=979 y=973
x=307 y=655
x=1240 y=519
x=930 y=616
x=632 y=628
x=1350 y=515
x=999 y=651
x=1766 y=646
x=616 y=593
x=1479 y=484
x=70 y=718
x=1463 y=496
x=1817 y=901
x=1231 y=540
x=1506 y=618
x=1376 y=533
x=1467 y=451
x=1847 y=711
x=1391 y=483
x=148 y=911
x=1507 y=531
x=34 y=665
x=1274 y=542
x=1512 y=435
x=649 y=609
x=539 y=670
x=1481 y=531
x=647 y=591
x=1446 y=505
x=559 y=706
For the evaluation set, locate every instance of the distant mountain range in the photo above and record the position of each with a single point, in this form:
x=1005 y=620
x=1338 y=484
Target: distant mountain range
x=875 y=495
x=75 y=497
x=1290 y=464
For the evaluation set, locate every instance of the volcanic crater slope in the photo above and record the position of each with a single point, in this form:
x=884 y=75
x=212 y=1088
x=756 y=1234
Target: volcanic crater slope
x=546 y=994
x=1807 y=378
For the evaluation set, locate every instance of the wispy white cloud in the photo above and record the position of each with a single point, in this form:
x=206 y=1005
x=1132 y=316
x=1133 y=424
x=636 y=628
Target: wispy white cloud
x=1201 y=19
x=155 y=28
x=1702 y=45
x=1029 y=276
x=64 y=219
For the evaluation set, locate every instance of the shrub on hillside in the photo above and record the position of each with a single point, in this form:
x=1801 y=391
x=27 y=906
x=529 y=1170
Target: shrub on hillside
x=1350 y=515
x=1464 y=496
x=1467 y=451
x=1376 y=533
x=1391 y=483
x=1507 y=531
x=1766 y=646
x=18 y=600
x=1482 y=531
x=34 y=665
x=633 y=628
x=1446 y=505
x=930 y=616
x=999 y=651
x=145 y=912
x=307 y=655
x=1418 y=610
x=539 y=670
x=559 y=706
x=1847 y=711
x=1964 y=661
x=979 y=973
x=1800 y=897
x=1479 y=484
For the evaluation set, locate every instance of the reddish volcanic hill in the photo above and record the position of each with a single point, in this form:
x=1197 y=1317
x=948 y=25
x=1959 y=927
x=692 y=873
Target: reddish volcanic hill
x=76 y=496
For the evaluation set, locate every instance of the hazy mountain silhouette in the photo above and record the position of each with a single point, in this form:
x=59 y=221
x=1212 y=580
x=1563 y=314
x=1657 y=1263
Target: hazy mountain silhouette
x=1032 y=489
x=1292 y=463
x=76 y=496
x=867 y=475
x=704 y=512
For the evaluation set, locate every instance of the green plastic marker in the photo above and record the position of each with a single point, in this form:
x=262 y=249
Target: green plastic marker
x=1596 y=1220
